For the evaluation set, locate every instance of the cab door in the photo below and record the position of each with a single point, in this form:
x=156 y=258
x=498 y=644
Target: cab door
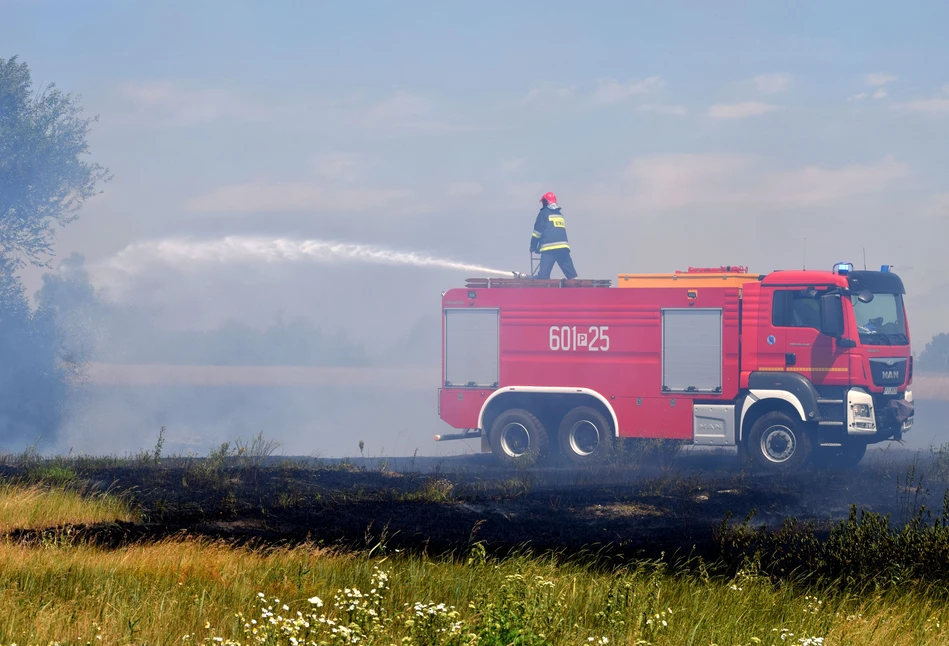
x=771 y=338
x=817 y=356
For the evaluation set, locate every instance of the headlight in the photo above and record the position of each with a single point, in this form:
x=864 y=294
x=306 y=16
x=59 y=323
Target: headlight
x=861 y=410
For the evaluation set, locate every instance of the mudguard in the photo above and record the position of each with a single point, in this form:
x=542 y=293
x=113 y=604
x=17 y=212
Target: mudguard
x=791 y=382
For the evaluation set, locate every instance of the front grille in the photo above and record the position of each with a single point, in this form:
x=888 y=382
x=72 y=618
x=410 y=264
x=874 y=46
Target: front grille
x=888 y=371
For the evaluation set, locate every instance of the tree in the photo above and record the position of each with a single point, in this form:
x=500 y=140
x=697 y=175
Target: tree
x=44 y=179
x=33 y=379
x=935 y=358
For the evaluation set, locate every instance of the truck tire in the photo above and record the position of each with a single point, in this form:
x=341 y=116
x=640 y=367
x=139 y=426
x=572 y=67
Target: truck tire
x=778 y=443
x=847 y=456
x=585 y=436
x=518 y=438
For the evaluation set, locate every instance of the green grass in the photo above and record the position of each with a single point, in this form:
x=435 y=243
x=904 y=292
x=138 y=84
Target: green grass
x=158 y=593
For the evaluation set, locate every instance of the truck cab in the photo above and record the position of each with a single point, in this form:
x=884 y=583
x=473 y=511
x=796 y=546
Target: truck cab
x=837 y=343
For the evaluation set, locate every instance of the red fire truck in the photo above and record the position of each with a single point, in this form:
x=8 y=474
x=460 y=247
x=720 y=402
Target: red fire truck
x=790 y=367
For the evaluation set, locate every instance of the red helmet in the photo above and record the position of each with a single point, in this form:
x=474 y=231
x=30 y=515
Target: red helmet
x=550 y=198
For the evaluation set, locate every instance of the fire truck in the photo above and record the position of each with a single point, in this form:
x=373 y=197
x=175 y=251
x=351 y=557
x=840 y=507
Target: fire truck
x=791 y=367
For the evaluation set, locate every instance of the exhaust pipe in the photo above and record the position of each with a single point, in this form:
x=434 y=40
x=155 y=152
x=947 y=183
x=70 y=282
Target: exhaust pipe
x=458 y=436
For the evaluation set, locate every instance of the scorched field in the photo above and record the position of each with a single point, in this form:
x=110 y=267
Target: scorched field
x=246 y=547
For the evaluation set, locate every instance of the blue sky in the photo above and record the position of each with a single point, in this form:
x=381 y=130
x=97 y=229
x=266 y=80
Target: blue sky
x=675 y=134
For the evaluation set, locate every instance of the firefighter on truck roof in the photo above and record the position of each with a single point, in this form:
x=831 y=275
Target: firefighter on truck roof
x=550 y=239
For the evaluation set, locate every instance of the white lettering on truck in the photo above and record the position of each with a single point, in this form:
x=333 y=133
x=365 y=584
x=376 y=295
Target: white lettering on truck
x=566 y=338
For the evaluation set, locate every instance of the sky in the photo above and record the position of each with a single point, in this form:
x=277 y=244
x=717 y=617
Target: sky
x=674 y=134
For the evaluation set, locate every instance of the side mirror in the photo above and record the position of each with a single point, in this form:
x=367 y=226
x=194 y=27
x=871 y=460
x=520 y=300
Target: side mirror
x=831 y=316
x=865 y=296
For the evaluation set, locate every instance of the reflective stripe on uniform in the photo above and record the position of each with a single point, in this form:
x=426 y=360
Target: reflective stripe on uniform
x=536 y=234
x=554 y=245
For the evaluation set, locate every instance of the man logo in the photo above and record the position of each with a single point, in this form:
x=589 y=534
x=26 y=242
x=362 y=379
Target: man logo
x=891 y=374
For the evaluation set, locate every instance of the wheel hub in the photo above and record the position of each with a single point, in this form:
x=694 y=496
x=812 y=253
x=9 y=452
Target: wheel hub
x=584 y=437
x=778 y=444
x=515 y=440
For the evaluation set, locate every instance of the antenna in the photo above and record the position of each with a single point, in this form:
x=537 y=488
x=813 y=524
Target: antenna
x=805 y=253
x=864 y=259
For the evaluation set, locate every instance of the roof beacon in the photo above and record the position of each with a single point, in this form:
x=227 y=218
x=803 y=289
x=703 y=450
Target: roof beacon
x=843 y=268
x=885 y=268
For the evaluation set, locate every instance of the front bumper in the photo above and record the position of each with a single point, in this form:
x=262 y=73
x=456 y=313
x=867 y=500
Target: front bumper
x=879 y=417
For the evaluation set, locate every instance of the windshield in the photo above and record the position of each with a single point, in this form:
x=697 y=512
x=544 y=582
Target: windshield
x=881 y=322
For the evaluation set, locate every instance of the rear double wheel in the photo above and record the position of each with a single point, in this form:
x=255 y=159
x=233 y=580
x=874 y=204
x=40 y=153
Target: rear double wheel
x=517 y=437
x=778 y=443
x=585 y=436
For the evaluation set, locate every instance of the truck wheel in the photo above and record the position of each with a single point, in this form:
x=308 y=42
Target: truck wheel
x=778 y=443
x=585 y=436
x=518 y=438
x=846 y=456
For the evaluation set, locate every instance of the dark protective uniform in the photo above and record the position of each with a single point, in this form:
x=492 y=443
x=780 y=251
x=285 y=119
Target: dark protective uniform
x=550 y=239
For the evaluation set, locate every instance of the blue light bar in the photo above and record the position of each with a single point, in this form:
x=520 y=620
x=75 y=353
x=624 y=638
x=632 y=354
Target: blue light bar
x=885 y=268
x=843 y=268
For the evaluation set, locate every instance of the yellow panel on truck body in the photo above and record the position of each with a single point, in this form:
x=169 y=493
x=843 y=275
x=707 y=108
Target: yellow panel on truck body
x=690 y=280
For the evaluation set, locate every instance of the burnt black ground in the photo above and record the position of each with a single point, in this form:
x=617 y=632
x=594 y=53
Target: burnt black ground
x=441 y=506
x=639 y=507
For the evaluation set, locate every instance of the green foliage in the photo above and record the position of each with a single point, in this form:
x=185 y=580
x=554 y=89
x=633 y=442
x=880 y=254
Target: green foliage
x=52 y=473
x=863 y=551
x=44 y=180
x=526 y=611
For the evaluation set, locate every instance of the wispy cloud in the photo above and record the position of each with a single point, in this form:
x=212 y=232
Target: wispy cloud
x=183 y=103
x=774 y=83
x=177 y=103
x=740 y=110
x=290 y=196
x=337 y=166
x=405 y=112
x=464 y=189
x=609 y=91
x=879 y=79
x=547 y=93
x=606 y=92
x=874 y=80
x=925 y=106
x=935 y=105
x=338 y=182
x=669 y=182
x=511 y=165
x=677 y=110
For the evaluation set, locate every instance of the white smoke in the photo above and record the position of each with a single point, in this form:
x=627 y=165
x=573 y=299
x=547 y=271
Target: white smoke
x=136 y=258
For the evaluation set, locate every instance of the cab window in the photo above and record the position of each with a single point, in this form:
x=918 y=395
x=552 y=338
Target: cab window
x=795 y=308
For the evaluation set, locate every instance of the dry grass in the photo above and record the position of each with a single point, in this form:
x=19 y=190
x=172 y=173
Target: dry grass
x=39 y=507
x=159 y=592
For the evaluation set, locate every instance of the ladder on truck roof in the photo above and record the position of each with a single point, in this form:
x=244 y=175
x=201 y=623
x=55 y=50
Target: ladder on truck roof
x=489 y=283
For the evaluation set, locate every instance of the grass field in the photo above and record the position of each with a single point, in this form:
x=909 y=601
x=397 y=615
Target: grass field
x=140 y=564
x=159 y=593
